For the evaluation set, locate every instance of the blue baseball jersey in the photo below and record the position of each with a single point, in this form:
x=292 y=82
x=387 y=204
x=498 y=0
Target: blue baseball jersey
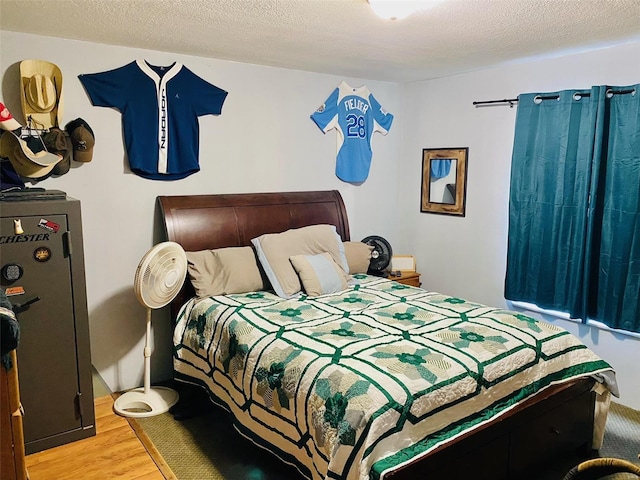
x=160 y=107
x=356 y=115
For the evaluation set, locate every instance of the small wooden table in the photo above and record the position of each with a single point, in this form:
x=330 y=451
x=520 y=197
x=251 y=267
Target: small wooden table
x=408 y=278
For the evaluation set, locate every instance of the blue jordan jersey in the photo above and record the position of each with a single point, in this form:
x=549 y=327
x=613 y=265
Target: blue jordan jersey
x=356 y=115
x=160 y=107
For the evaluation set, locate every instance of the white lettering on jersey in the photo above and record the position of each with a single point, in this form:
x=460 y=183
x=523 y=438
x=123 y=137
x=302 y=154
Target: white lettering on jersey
x=163 y=119
x=356 y=104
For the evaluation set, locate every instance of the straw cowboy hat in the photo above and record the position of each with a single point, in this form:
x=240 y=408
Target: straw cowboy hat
x=25 y=161
x=41 y=93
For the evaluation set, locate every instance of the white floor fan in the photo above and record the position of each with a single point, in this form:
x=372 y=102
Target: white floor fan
x=159 y=278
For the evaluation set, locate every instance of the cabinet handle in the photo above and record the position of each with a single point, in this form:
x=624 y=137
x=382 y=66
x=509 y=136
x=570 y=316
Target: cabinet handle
x=23 y=307
x=554 y=430
x=68 y=246
x=79 y=404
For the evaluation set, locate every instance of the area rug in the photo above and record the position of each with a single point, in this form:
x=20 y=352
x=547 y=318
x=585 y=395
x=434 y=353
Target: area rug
x=622 y=434
x=207 y=447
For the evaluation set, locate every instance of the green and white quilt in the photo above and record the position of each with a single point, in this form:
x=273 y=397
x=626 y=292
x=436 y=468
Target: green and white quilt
x=354 y=384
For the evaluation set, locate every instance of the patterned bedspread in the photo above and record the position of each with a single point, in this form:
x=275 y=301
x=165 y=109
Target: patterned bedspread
x=354 y=384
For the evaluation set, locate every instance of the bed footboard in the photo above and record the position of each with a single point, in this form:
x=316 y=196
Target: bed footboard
x=540 y=440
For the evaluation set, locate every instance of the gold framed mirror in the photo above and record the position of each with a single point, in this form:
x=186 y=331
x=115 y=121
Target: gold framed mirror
x=444 y=180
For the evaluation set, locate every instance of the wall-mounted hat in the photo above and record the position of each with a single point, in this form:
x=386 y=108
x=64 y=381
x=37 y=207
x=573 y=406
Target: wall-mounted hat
x=58 y=142
x=41 y=93
x=7 y=122
x=82 y=138
x=26 y=162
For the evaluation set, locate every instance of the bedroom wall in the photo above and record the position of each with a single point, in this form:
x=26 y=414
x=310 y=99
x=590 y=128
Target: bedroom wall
x=263 y=141
x=467 y=256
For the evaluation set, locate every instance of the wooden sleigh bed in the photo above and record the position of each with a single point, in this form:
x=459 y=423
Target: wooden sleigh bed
x=555 y=423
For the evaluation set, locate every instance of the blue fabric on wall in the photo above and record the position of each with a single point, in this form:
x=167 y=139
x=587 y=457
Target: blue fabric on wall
x=440 y=168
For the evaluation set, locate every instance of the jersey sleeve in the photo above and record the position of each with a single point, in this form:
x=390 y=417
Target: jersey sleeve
x=208 y=99
x=106 y=89
x=326 y=116
x=382 y=119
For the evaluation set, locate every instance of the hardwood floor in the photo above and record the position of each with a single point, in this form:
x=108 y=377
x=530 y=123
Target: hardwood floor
x=115 y=452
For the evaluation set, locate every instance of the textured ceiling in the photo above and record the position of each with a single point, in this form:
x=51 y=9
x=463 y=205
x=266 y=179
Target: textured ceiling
x=340 y=37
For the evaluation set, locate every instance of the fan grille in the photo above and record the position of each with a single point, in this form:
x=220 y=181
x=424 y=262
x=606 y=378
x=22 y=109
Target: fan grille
x=381 y=254
x=160 y=274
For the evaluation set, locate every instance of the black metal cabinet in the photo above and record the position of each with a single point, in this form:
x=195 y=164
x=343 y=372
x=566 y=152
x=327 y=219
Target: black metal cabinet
x=42 y=261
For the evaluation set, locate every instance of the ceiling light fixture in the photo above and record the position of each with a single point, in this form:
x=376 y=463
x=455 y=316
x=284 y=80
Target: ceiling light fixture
x=399 y=9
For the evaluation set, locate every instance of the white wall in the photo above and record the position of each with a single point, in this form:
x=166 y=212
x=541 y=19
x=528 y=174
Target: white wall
x=467 y=256
x=263 y=141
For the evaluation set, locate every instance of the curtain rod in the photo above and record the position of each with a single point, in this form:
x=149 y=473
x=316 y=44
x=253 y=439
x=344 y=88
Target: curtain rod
x=506 y=101
x=511 y=101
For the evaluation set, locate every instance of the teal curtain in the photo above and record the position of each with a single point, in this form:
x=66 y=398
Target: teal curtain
x=574 y=203
x=550 y=184
x=614 y=270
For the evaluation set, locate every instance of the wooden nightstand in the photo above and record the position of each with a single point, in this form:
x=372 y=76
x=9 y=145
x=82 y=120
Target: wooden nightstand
x=408 y=278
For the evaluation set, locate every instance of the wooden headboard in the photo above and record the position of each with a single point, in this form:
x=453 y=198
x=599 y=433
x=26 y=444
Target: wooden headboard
x=201 y=222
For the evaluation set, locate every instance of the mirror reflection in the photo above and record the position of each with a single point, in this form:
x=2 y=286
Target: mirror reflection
x=443 y=176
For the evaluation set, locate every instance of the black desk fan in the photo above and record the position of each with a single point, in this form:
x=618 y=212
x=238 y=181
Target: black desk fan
x=380 y=256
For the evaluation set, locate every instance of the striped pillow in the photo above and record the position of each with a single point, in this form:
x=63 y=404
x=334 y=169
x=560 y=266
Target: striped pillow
x=319 y=274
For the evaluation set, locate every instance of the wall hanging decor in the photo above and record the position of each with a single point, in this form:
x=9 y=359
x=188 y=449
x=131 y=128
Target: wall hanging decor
x=444 y=180
x=160 y=107
x=82 y=139
x=41 y=93
x=356 y=115
x=30 y=163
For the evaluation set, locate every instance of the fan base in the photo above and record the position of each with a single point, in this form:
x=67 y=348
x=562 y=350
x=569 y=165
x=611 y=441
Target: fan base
x=138 y=403
x=378 y=273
